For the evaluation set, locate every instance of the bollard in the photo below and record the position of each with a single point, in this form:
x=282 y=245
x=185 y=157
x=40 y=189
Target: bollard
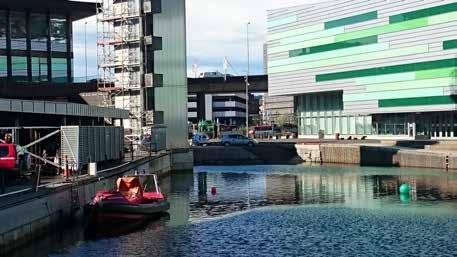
x=447 y=163
x=320 y=156
x=66 y=171
x=60 y=170
x=38 y=179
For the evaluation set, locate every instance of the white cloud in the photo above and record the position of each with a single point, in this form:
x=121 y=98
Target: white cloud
x=215 y=28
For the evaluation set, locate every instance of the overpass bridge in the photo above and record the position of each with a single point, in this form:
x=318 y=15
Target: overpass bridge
x=233 y=84
x=199 y=88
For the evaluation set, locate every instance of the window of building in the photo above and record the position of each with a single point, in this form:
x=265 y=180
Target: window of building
x=39 y=31
x=3 y=68
x=3 y=27
x=19 y=68
x=454 y=121
x=39 y=69
x=360 y=125
x=59 y=70
x=149 y=98
x=58 y=33
x=18 y=31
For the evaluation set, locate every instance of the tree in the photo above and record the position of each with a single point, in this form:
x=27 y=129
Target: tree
x=281 y=119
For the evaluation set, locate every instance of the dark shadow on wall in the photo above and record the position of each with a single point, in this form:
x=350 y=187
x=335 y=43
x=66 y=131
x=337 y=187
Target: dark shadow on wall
x=269 y=153
x=378 y=156
x=416 y=144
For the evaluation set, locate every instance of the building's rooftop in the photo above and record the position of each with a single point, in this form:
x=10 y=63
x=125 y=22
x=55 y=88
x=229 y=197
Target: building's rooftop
x=77 y=10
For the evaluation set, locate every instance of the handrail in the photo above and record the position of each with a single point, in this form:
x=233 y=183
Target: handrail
x=63 y=181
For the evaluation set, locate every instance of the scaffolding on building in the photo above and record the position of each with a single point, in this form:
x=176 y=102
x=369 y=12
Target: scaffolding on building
x=120 y=59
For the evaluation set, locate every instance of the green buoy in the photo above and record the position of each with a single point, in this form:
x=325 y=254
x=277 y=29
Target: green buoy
x=405 y=188
x=405 y=198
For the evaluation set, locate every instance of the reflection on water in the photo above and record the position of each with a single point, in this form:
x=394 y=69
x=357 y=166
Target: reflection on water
x=368 y=187
x=291 y=211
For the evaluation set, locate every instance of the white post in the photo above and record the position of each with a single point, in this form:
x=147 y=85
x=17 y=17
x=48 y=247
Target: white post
x=85 y=46
x=247 y=80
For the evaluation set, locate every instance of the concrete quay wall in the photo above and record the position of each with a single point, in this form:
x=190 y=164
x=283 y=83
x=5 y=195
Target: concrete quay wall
x=382 y=156
x=30 y=216
x=264 y=153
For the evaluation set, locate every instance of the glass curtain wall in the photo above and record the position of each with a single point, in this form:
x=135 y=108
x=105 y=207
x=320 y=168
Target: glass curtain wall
x=427 y=125
x=324 y=112
x=3 y=29
x=18 y=31
x=39 y=31
x=19 y=68
x=58 y=33
x=42 y=58
x=59 y=70
x=3 y=58
x=39 y=69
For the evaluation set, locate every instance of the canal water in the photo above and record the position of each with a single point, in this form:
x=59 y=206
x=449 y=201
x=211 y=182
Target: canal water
x=285 y=211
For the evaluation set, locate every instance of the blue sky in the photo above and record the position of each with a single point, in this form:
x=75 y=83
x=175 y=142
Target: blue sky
x=215 y=29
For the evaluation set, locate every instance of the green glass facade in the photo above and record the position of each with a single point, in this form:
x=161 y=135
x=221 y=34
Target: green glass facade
x=334 y=46
x=352 y=20
x=325 y=112
x=450 y=44
x=419 y=66
x=390 y=66
x=427 y=12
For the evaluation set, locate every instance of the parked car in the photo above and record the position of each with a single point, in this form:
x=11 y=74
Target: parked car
x=200 y=139
x=8 y=156
x=14 y=158
x=235 y=139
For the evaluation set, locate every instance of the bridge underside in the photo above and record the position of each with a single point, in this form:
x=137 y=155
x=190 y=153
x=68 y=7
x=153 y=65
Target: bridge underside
x=257 y=84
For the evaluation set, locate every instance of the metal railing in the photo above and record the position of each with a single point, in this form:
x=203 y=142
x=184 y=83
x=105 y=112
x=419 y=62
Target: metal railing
x=67 y=177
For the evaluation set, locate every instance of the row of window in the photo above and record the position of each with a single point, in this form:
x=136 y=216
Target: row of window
x=320 y=102
x=39 y=69
x=42 y=29
x=432 y=125
x=345 y=125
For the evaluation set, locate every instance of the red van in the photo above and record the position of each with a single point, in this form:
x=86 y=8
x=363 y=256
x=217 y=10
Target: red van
x=8 y=156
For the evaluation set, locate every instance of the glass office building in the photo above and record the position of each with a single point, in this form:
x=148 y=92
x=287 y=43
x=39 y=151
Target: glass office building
x=384 y=69
x=36 y=40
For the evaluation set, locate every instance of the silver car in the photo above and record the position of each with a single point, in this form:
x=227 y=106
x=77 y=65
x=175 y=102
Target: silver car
x=235 y=139
x=200 y=140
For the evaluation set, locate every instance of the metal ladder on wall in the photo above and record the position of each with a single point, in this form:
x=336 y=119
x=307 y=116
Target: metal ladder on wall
x=74 y=198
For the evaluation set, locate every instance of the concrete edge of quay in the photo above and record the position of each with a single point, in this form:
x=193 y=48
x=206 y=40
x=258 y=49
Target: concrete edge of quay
x=29 y=216
x=378 y=155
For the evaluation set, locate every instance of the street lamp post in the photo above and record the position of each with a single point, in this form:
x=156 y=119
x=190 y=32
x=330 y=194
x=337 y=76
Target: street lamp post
x=247 y=79
x=85 y=46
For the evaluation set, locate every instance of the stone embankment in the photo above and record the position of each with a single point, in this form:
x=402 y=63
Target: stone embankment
x=438 y=155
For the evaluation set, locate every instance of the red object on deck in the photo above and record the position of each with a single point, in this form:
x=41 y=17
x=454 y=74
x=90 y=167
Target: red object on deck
x=128 y=202
x=8 y=156
x=213 y=190
x=128 y=191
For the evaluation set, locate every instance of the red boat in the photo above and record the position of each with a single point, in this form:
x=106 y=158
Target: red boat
x=136 y=198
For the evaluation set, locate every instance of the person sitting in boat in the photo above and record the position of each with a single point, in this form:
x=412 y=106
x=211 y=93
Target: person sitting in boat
x=130 y=188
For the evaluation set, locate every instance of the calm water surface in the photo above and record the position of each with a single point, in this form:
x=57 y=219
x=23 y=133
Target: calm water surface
x=287 y=211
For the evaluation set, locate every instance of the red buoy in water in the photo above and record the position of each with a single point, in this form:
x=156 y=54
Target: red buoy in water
x=213 y=191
